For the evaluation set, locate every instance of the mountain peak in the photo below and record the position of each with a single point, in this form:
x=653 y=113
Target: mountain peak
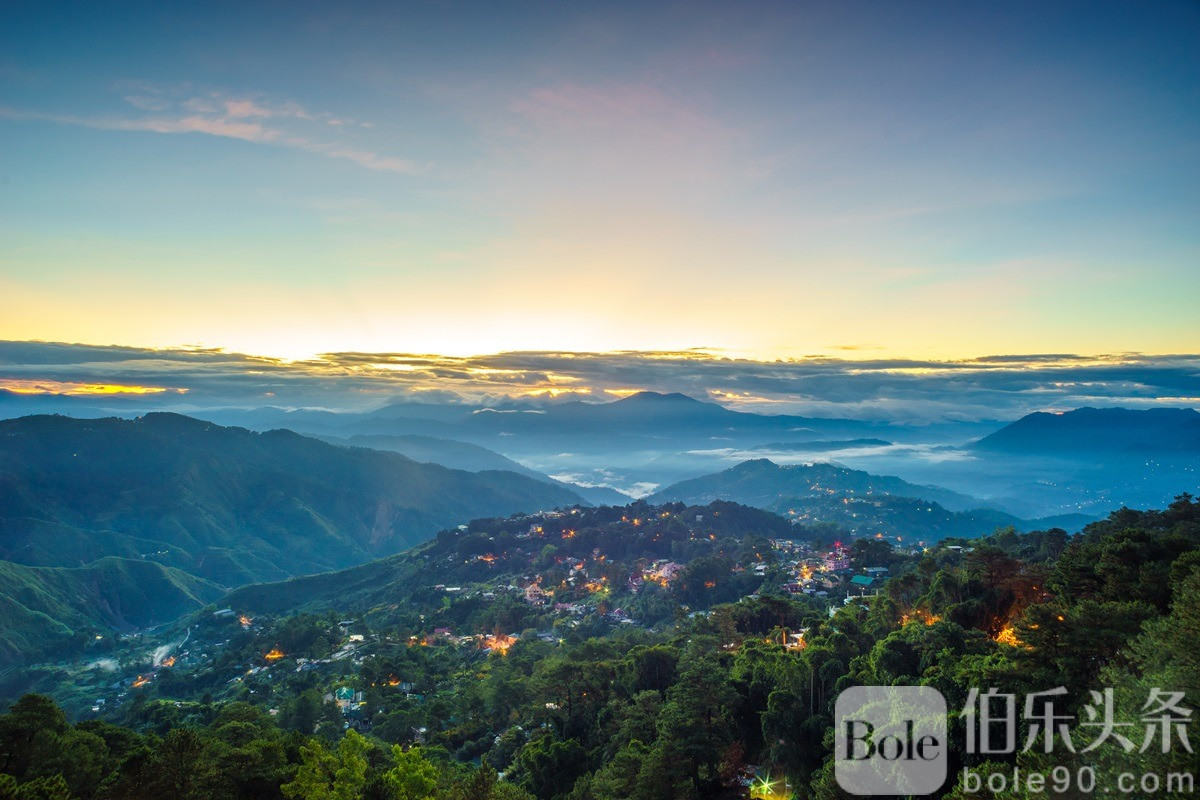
x=658 y=397
x=751 y=464
x=171 y=419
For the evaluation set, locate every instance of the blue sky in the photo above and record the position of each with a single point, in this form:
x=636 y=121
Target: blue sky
x=917 y=180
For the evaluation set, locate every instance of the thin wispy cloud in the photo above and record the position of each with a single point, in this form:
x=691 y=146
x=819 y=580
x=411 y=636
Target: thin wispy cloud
x=246 y=131
x=247 y=119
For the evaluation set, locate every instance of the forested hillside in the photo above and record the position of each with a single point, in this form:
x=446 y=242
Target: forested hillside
x=52 y=611
x=226 y=504
x=734 y=701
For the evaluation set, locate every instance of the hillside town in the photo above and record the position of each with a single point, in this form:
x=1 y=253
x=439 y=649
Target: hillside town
x=541 y=565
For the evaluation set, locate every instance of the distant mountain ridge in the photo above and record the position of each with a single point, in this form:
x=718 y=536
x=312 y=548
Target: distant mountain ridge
x=643 y=414
x=227 y=504
x=640 y=414
x=470 y=457
x=818 y=445
x=1099 y=430
x=612 y=445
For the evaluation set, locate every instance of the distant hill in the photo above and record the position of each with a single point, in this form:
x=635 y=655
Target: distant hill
x=470 y=457
x=763 y=483
x=46 y=609
x=227 y=504
x=1092 y=431
x=860 y=502
x=912 y=519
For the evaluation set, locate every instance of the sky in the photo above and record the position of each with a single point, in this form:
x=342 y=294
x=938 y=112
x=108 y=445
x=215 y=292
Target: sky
x=879 y=182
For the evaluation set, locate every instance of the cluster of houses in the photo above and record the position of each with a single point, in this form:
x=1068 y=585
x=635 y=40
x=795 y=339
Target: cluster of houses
x=488 y=642
x=660 y=572
x=820 y=573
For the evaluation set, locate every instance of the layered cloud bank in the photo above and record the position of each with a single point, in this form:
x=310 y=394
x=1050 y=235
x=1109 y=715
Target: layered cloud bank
x=992 y=387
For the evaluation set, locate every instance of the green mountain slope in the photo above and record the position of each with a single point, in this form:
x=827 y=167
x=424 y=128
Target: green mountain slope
x=46 y=609
x=227 y=504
